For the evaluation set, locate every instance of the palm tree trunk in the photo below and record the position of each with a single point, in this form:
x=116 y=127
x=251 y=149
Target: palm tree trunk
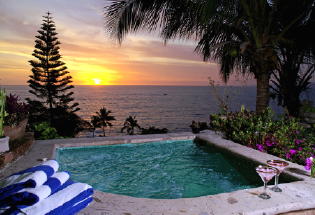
x=262 y=96
x=292 y=101
x=103 y=131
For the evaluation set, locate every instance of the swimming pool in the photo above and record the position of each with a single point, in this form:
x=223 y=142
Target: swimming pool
x=161 y=170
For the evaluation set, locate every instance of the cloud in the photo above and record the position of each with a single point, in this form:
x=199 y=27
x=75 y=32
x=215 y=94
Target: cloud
x=88 y=51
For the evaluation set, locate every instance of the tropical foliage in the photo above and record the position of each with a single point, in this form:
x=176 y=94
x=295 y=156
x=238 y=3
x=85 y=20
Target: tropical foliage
x=16 y=110
x=154 y=130
x=196 y=127
x=50 y=83
x=307 y=106
x=130 y=125
x=102 y=119
x=244 y=36
x=94 y=123
x=296 y=59
x=43 y=131
x=289 y=83
x=2 y=111
x=285 y=137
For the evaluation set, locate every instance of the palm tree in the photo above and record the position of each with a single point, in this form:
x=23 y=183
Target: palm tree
x=130 y=124
x=291 y=79
x=296 y=59
x=103 y=118
x=94 y=123
x=242 y=35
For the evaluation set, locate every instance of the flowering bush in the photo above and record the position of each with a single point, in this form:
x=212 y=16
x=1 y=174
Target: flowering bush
x=310 y=165
x=17 y=111
x=285 y=137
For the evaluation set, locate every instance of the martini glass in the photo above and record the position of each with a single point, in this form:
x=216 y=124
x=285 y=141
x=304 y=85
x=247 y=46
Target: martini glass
x=266 y=173
x=280 y=166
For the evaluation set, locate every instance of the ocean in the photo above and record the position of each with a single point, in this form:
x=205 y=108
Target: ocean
x=172 y=107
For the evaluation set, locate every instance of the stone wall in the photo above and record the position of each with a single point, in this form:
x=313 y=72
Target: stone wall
x=17 y=149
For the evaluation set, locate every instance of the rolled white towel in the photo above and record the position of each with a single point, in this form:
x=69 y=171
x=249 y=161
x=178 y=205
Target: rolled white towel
x=30 y=196
x=73 y=209
x=65 y=198
x=28 y=178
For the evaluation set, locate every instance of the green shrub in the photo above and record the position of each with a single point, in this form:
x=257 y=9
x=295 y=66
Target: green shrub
x=154 y=130
x=307 y=106
x=67 y=123
x=196 y=127
x=44 y=131
x=284 y=137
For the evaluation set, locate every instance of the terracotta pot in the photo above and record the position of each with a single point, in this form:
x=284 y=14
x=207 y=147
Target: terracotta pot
x=4 y=144
x=15 y=132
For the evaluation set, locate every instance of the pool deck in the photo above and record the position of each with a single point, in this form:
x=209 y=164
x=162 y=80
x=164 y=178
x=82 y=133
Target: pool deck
x=296 y=196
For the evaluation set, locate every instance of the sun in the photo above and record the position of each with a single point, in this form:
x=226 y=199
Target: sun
x=97 y=81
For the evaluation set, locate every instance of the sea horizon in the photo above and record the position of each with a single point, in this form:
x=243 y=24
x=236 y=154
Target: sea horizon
x=171 y=107
x=161 y=85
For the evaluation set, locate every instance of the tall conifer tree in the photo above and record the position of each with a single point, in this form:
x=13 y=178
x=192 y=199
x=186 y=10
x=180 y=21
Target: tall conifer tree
x=50 y=81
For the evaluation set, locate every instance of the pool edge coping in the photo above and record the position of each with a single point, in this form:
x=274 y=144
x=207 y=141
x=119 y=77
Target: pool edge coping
x=136 y=139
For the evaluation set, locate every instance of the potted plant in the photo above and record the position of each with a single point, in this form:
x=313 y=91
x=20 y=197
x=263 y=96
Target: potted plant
x=16 y=119
x=4 y=140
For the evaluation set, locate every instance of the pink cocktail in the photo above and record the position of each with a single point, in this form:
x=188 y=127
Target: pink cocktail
x=266 y=173
x=280 y=166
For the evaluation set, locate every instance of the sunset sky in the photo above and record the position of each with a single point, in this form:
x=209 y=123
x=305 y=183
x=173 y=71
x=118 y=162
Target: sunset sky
x=92 y=57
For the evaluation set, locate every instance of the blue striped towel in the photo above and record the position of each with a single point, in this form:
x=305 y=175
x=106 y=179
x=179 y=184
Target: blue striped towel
x=67 y=211
x=77 y=207
x=30 y=178
x=30 y=196
x=73 y=209
x=68 y=197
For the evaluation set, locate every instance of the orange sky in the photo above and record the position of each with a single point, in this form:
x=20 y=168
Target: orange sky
x=89 y=53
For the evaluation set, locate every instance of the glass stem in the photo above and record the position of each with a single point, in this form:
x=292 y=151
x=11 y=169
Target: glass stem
x=265 y=186
x=276 y=180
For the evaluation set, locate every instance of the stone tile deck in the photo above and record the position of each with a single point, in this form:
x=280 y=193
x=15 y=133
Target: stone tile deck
x=296 y=196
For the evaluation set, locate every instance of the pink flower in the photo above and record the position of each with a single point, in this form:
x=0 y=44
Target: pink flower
x=260 y=147
x=307 y=167
x=268 y=143
x=292 y=151
x=308 y=163
x=298 y=141
x=300 y=148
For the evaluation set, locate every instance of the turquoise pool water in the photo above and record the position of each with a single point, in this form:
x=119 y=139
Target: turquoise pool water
x=164 y=170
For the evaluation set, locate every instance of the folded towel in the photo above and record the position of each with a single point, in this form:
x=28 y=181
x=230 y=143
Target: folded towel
x=49 y=167
x=30 y=196
x=73 y=209
x=69 y=211
x=61 y=200
x=29 y=178
x=79 y=206
x=23 y=181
